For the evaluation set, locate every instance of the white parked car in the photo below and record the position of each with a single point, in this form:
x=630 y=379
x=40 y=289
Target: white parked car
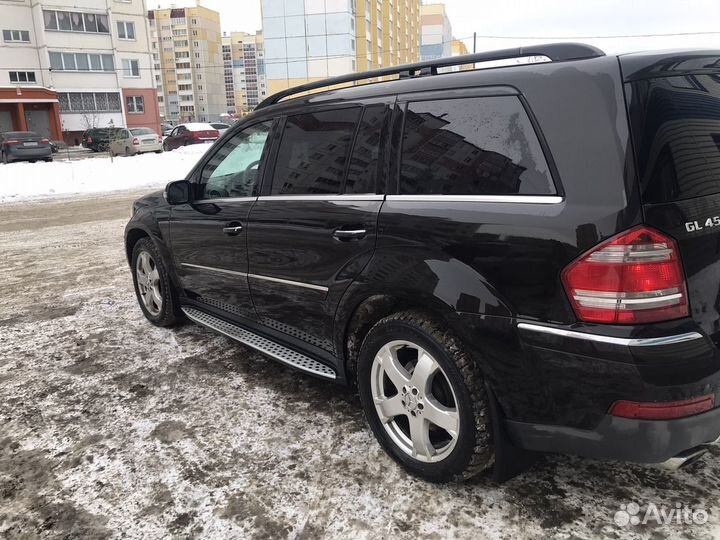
x=136 y=141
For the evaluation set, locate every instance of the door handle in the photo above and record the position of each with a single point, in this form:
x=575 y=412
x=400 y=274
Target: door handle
x=233 y=229
x=346 y=235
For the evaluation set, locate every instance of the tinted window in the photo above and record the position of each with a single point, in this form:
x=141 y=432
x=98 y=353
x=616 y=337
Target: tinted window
x=142 y=131
x=314 y=152
x=676 y=130
x=233 y=170
x=366 y=151
x=475 y=146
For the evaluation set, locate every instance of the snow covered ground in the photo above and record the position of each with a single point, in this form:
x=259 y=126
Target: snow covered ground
x=26 y=181
x=111 y=428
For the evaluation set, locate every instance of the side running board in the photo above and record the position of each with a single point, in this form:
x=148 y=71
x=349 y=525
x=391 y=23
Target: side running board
x=275 y=350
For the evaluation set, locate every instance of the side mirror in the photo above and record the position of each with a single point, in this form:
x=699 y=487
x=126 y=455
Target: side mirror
x=178 y=192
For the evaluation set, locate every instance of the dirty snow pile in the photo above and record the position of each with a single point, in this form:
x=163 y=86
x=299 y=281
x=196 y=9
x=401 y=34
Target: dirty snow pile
x=23 y=181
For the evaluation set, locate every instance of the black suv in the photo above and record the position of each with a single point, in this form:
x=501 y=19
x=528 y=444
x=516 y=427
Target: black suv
x=503 y=260
x=99 y=139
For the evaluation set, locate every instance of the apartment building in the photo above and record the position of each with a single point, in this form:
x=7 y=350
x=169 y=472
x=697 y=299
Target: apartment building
x=188 y=63
x=388 y=33
x=244 y=72
x=436 y=39
x=70 y=66
x=307 y=40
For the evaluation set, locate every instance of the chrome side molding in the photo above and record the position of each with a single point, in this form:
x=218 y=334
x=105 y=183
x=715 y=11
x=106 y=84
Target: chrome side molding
x=627 y=342
x=257 y=276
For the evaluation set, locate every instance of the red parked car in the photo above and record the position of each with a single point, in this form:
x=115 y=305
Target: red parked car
x=192 y=133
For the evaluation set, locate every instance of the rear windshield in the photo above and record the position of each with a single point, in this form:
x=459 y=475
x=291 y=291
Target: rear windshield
x=20 y=134
x=675 y=125
x=142 y=131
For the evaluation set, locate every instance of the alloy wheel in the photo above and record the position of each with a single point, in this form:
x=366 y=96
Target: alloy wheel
x=415 y=401
x=148 y=280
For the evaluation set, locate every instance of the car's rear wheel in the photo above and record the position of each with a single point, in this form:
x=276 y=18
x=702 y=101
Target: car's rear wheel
x=4 y=157
x=127 y=151
x=153 y=287
x=425 y=398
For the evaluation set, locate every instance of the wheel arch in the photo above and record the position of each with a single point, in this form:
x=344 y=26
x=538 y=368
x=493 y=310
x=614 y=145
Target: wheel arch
x=132 y=237
x=362 y=312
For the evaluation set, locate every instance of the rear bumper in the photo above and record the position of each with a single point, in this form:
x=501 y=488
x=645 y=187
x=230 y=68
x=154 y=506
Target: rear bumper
x=642 y=441
x=22 y=154
x=556 y=384
x=142 y=148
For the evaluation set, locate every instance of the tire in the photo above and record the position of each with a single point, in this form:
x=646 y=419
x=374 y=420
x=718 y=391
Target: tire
x=4 y=158
x=127 y=151
x=48 y=160
x=163 y=308
x=454 y=394
x=166 y=148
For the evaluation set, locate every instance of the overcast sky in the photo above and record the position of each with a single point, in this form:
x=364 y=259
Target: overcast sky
x=545 y=20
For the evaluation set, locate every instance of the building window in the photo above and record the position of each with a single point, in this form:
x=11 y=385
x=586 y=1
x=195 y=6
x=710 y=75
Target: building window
x=77 y=102
x=126 y=30
x=60 y=61
x=22 y=36
x=135 y=104
x=131 y=68
x=22 y=77
x=74 y=21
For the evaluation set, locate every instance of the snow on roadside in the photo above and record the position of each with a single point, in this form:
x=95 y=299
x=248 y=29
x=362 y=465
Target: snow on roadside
x=31 y=181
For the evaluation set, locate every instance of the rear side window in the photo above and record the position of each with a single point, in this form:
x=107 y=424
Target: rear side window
x=314 y=152
x=472 y=146
x=676 y=130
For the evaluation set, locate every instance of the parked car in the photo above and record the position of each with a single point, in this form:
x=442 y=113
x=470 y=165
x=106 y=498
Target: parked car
x=192 y=133
x=502 y=261
x=166 y=128
x=221 y=127
x=99 y=139
x=24 y=146
x=136 y=141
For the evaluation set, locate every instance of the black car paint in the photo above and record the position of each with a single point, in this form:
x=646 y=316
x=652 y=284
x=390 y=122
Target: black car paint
x=484 y=267
x=19 y=152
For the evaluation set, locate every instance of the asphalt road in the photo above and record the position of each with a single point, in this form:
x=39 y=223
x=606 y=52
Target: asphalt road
x=112 y=428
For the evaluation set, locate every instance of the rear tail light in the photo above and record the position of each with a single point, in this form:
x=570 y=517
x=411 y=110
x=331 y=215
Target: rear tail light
x=195 y=135
x=633 y=278
x=89 y=140
x=12 y=141
x=44 y=141
x=136 y=141
x=663 y=410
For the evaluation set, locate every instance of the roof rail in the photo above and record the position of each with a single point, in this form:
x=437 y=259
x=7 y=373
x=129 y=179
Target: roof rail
x=556 y=52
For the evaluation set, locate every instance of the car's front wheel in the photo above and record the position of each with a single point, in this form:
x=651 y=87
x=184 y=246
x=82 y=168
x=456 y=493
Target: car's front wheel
x=425 y=398
x=153 y=287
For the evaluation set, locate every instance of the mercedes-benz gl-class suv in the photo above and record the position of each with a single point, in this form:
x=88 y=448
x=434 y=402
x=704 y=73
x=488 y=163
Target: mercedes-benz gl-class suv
x=502 y=261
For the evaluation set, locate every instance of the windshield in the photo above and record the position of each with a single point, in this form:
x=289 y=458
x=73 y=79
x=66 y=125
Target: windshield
x=142 y=131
